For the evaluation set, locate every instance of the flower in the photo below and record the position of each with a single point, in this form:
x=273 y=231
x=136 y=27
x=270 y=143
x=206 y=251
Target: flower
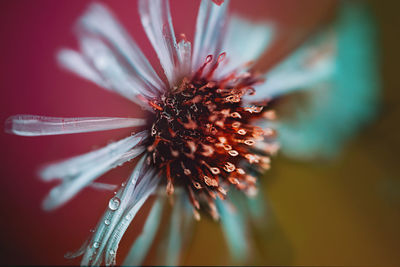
x=200 y=138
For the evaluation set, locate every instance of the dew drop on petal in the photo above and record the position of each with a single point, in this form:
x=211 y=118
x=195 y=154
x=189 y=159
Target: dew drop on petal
x=114 y=203
x=107 y=222
x=96 y=244
x=128 y=217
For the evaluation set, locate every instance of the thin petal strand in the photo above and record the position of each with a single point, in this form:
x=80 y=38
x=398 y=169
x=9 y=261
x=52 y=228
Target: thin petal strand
x=156 y=19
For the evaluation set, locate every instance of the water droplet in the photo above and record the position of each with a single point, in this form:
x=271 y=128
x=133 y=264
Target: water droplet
x=114 y=203
x=107 y=222
x=123 y=184
x=112 y=252
x=96 y=244
x=128 y=217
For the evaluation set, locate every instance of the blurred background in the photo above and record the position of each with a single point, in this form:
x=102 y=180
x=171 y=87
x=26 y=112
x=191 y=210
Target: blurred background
x=344 y=211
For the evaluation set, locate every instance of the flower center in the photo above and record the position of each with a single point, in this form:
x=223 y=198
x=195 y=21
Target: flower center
x=203 y=139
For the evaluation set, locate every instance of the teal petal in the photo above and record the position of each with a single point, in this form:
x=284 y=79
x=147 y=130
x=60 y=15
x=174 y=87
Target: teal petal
x=234 y=229
x=178 y=231
x=143 y=243
x=339 y=107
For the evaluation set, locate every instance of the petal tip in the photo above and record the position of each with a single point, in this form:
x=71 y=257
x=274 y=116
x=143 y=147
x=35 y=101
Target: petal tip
x=8 y=125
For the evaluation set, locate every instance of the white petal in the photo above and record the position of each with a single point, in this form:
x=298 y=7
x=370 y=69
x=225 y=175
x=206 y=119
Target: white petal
x=100 y=21
x=143 y=190
x=129 y=199
x=156 y=20
x=245 y=41
x=185 y=58
x=209 y=31
x=113 y=71
x=74 y=166
x=312 y=63
x=32 y=125
x=80 y=171
x=76 y=63
x=129 y=155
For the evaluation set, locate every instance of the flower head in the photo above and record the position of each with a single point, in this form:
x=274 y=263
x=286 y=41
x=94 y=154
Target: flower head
x=201 y=135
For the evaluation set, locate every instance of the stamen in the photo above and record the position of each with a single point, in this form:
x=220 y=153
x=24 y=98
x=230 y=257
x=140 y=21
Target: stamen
x=241 y=131
x=201 y=132
x=233 y=153
x=229 y=167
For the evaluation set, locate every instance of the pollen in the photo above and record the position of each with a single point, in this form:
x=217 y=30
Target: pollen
x=203 y=136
